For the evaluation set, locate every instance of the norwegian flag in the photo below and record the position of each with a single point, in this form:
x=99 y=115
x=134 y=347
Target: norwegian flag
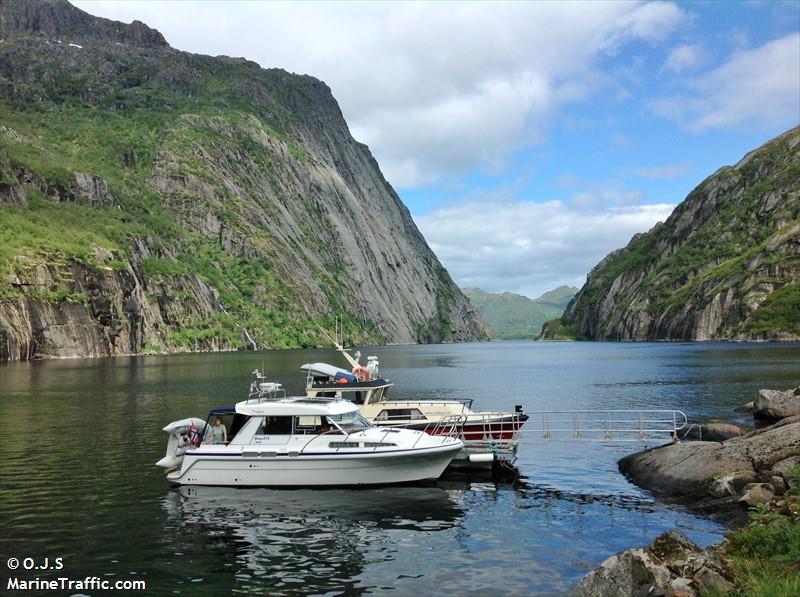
x=194 y=437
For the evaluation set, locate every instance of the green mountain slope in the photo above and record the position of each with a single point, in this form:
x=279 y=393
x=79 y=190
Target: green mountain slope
x=724 y=266
x=156 y=200
x=513 y=316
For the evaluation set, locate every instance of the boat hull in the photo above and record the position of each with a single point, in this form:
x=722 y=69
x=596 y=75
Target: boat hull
x=497 y=428
x=314 y=470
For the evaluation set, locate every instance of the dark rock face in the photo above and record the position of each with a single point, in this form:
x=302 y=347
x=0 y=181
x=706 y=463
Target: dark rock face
x=724 y=266
x=58 y=18
x=223 y=197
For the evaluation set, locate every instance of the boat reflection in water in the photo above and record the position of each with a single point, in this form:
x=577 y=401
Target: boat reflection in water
x=305 y=540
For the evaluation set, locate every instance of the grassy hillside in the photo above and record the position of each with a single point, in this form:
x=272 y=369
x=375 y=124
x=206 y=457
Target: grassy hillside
x=513 y=316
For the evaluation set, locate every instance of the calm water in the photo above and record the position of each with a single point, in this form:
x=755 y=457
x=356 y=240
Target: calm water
x=79 y=439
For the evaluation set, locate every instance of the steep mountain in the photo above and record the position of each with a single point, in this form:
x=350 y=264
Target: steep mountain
x=724 y=266
x=513 y=316
x=157 y=200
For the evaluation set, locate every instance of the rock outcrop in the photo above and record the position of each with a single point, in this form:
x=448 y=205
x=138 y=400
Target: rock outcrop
x=713 y=432
x=774 y=405
x=758 y=470
x=156 y=200
x=673 y=566
x=741 y=471
x=724 y=266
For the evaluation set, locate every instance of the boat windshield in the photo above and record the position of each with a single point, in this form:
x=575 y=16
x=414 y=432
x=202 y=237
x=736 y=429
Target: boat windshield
x=350 y=422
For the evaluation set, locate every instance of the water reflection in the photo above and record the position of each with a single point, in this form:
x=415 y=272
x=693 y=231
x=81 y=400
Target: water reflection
x=309 y=540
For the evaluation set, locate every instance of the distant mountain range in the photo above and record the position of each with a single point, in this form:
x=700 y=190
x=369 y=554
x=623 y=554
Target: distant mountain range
x=513 y=316
x=724 y=266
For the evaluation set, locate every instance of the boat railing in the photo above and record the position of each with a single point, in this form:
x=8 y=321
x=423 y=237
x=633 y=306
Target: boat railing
x=341 y=435
x=617 y=425
x=449 y=426
x=466 y=403
x=488 y=430
x=262 y=390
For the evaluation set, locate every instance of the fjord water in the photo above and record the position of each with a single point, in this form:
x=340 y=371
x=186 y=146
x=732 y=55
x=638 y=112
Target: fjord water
x=80 y=437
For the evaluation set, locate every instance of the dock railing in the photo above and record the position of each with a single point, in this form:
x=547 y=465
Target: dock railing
x=617 y=425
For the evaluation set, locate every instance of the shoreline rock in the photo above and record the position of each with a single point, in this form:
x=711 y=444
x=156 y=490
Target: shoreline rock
x=721 y=479
x=672 y=565
x=737 y=472
x=774 y=405
x=714 y=432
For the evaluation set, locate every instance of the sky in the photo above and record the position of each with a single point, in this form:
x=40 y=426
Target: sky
x=528 y=140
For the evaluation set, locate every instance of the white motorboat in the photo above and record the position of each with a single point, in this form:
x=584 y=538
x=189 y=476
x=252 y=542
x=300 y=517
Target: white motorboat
x=489 y=436
x=279 y=441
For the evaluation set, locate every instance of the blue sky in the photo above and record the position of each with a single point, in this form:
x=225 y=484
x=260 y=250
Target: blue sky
x=527 y=139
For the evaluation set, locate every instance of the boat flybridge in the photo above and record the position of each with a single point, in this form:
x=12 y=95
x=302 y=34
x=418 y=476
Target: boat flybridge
x=488 y=436
x=274 y=440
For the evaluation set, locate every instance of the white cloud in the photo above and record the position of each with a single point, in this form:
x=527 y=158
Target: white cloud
x=529 y=247
x=684 y=57
x=434 y=88
x=755 y=87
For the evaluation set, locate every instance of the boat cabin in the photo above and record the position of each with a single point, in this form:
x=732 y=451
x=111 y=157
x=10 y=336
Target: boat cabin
x=276 y=420
x=360 y=387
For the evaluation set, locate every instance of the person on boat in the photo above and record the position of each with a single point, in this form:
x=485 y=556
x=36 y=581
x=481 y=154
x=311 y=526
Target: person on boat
x=219 y=435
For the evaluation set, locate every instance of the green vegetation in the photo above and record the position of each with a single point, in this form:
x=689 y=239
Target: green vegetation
x=781 y=311
x=556 y=330
x=765 y=555
x=513 y=316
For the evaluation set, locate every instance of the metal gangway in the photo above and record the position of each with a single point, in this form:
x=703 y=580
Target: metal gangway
x=615 y=425
x=611 y=425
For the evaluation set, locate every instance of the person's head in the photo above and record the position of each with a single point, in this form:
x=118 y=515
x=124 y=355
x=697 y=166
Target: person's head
x=217 y=421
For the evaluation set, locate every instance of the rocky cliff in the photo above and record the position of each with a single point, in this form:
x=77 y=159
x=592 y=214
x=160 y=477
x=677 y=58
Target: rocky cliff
x=156 y=200
x=724 y=266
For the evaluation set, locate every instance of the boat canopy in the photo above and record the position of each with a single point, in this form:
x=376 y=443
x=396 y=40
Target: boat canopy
x=326 y=370
x=289 y=407
x=228 y=409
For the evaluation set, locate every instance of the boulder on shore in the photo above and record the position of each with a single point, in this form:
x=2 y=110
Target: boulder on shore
x=714 y=432
x=773 y=405
x=711 y=470
x=673 y=565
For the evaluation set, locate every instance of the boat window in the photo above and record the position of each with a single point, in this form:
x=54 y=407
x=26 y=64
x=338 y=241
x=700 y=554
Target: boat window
x=275 y=426
x=307 y=424
x=392 y=414
x=378 y=444
x=236 y=425
x=349 y=422
x=358 y=398
x=343 y=445
x=326 y=395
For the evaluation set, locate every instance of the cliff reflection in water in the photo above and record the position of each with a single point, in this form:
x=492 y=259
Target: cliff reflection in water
x=309 y=540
